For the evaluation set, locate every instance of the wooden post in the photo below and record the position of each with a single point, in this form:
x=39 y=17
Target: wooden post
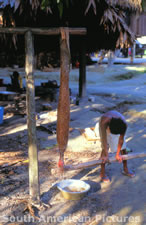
x=132 y=57
x=82 y=70
x=63 y=115
x=31 y=121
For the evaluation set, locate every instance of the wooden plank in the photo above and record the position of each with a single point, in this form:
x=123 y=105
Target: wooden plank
x=42 y=31
x=31 y=121
x=57 y=31
x=23 y=30
x=8 y=30
x=98 y=162
x=63 y=113
x=45 y=31
x=78 y=31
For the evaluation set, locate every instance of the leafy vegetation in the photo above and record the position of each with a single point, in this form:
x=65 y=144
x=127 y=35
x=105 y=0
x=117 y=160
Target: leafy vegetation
x=144 y=5
x=48 y=4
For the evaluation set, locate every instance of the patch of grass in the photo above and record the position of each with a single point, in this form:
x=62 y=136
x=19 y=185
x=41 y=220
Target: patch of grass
x=126 y=76
x=129 y=75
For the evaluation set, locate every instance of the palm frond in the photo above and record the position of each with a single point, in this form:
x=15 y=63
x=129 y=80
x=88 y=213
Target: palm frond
x=131 y=4
x=93 y=4
x=113 y=19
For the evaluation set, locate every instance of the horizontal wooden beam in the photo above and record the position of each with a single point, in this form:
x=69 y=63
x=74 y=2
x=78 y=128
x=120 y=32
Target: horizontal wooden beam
x=42 y=31
x=77 y=31
x=98 y=162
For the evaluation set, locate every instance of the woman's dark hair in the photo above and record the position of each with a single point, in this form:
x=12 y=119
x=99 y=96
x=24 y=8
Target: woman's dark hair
x=117 y=126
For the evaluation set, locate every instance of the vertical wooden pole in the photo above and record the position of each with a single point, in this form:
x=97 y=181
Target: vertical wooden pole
x=63 y=116
x=132 y=57
x=31 y=121
x=82 y=70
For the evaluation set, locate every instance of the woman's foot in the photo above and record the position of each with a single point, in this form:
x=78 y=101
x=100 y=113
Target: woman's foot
x=104 y=178
x=128 y=173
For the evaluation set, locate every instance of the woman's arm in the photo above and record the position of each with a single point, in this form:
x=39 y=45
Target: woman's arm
x=120 y=143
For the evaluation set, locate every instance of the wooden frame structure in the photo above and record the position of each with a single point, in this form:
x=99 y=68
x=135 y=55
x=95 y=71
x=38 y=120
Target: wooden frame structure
x=63 y=105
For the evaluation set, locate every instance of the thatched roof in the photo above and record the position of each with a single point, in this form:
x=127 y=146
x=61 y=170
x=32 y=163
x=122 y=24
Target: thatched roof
x=131 y=4
x=104 y=19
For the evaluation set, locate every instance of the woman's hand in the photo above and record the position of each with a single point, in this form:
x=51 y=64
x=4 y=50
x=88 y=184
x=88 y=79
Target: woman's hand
x=119 y=158
x=104 y=157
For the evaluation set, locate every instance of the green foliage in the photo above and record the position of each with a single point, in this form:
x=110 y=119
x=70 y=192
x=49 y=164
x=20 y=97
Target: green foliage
x=46 y=4
x=144 y=5
x=59 y=3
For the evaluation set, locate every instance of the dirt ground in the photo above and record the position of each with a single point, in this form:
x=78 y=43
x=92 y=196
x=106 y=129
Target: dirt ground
x=123 y=200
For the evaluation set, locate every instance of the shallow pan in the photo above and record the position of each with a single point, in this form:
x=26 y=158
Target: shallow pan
x=72 y=189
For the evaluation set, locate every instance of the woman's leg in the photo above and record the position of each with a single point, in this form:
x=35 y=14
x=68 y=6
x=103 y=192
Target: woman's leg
x=126 y=171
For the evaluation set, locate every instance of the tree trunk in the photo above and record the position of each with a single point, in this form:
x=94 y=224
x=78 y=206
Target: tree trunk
x=31 y=121
x=63 y=116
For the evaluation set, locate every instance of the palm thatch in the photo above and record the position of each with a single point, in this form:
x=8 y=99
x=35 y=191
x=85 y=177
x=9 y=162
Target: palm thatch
x=131 y=4
x=117 y=22
x=105 y=20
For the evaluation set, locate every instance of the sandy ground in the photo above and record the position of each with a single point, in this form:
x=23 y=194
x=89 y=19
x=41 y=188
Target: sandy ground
x=123 y=201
